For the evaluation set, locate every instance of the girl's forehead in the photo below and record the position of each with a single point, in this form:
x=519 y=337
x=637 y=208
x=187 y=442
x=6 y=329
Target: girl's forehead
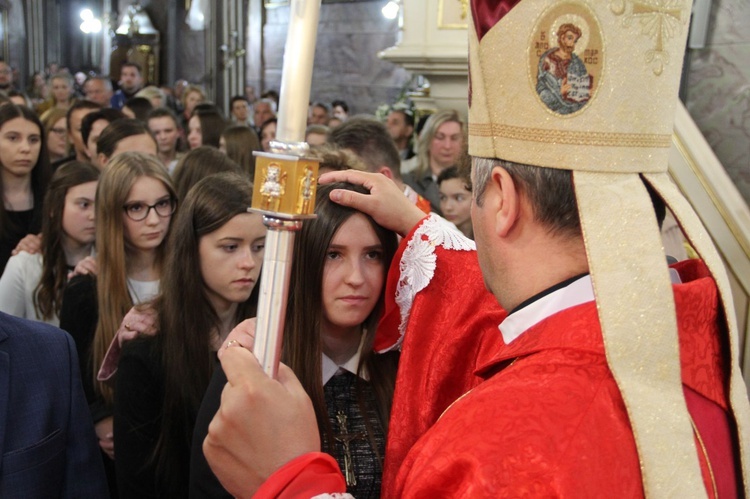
x=19 y=123
x=355 y=229
x=453 y=184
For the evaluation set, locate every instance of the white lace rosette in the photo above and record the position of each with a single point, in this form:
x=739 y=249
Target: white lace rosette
x=417 y=265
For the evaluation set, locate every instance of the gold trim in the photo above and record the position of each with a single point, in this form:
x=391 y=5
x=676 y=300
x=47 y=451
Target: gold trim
x=714 y=199
x=705 y=455
x=606 y=139
x=724 y=259
x=441 y=14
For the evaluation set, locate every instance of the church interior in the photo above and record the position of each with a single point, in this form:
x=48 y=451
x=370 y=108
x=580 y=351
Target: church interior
x=374 y=54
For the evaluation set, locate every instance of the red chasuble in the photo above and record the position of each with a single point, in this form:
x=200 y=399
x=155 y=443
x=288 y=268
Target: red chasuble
x=541 y=416
x=548 y=418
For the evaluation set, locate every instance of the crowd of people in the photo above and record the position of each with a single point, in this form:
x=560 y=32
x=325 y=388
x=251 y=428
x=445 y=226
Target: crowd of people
x=124 y=223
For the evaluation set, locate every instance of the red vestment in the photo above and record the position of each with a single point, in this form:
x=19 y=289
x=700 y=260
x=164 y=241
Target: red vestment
x=543 y=416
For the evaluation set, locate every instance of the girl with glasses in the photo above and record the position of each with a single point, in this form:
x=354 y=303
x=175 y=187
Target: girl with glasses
x=212 y=264
x=32 y=284
x=56 y=129
x=135 y=201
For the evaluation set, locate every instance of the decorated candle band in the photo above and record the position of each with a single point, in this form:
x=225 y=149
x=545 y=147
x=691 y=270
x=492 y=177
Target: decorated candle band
x=285 y=186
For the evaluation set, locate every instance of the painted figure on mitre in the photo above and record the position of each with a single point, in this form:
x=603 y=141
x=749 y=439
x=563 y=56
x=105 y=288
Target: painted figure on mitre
x=563 y=82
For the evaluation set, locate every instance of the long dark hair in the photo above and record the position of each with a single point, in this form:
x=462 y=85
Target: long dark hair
x=49 y=292
x=240 y=143
x=302 y=345
x=186 y=317
x=40 y=174
x=198 y=164
x=212 y=124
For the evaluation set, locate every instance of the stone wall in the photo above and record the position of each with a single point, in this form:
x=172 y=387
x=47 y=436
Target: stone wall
x=718 y=89
x=346 y=64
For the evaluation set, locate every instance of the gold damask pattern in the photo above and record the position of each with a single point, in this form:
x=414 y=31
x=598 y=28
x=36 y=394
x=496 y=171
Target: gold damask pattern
x=587 y=138
x=660 y=20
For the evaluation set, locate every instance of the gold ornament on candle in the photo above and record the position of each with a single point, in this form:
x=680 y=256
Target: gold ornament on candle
x=285 y=186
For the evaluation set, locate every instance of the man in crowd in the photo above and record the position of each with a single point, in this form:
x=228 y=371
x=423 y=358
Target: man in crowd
x=6 y=76
x=92 y=126
x=320 y=113
x=47 y=439
x=98 y=89
x=239 y=109
x=400 y=124
x=263 y=110
x=131 y=81
x=162 y=123
x=369 y=140
x=75 y=116
x=605 y=375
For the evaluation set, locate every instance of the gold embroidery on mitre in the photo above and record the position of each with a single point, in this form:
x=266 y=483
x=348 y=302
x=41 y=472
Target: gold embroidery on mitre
x=566 y=58
x=660 y=20
x=587 y=138
x=464 y=8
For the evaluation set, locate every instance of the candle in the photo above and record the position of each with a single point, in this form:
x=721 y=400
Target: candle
x=299 y=55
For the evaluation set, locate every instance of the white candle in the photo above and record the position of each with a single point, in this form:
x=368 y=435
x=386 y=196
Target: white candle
x=296 y=77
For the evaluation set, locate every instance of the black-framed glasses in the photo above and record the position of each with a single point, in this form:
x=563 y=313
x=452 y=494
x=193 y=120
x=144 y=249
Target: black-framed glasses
x=139 y=211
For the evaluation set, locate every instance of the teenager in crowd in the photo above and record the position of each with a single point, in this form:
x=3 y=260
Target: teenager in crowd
x=32 y=284
x=24 y=175
x=134 y=205
x=336 y=290
x=213 y=263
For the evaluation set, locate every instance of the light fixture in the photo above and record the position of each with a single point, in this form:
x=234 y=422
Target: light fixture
x=90 y=23
x=390 y=11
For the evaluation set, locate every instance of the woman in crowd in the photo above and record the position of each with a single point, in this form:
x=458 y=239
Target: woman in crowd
x=60 y=94
x=267 y=134
x=37 y=90
x=155 y=96
x=24 y=175
x=198 y=164
x=239 y=142
x=134 y=205
x=56 y=130
x=192 y=95
x=32 y=285
x=455 y=199
x=336 y=294
x=213 y=263
x=440 y=146
x=205 y=128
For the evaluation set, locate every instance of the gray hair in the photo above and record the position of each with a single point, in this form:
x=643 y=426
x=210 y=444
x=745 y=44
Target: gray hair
x=550 y=192
x=271 y=103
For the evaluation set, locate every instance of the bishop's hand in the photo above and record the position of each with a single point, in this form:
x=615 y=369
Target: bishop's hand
x=262 y=424
x=386 y=204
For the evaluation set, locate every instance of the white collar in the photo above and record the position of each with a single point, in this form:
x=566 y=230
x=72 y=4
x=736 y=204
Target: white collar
x=330 y=368
x=576 y=293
